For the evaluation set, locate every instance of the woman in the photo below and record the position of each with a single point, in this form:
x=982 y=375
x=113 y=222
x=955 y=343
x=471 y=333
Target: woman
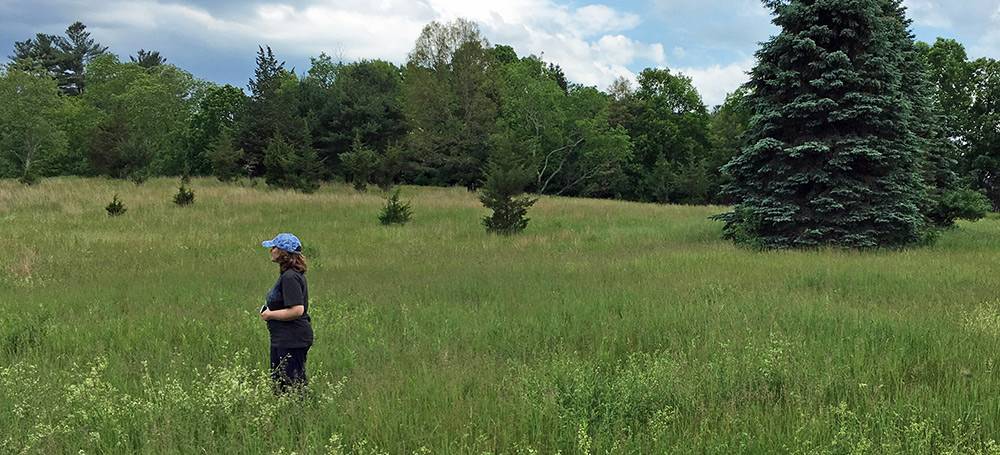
x=287 y=313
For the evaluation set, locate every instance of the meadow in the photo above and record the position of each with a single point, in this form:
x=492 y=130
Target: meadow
x=606 y=327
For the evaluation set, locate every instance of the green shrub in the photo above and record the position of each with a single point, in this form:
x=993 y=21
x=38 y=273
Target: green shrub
x=965 y=204
x=395 y=211
x=116 y=207
x=501 y=192
x=184 y=196
x=138 y=177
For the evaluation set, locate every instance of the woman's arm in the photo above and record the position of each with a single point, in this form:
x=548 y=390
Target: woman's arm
x=294 y=296
x=286 y=314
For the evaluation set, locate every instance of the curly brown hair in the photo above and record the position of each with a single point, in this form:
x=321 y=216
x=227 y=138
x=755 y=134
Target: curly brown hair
x=294 y=261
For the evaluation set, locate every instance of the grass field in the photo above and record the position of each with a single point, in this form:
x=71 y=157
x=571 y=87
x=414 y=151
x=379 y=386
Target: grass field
x=607 y=327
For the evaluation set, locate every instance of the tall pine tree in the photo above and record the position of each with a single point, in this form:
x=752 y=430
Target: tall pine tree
x=79 y=49
x=272 y=108
x=832 y=158
x=148 y=59
x=62 y=57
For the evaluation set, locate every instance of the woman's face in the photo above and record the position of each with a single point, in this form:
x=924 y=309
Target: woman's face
x=274 y=254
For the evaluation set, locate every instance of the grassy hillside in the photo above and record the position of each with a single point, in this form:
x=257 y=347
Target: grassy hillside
x=605 y=327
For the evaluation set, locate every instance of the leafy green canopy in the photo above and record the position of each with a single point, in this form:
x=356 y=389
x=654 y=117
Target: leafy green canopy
x=562 y=136
x=30 y=140
x=143 y=116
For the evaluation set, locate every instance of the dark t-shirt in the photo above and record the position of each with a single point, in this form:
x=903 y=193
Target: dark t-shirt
x=288 y=291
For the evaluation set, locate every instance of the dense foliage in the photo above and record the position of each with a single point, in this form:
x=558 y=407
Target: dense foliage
x=435 y=120
x=817 y=109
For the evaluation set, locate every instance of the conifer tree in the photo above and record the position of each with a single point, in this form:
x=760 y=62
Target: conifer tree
x=832 y=158
x=361 y=162
x=291 y=166
x=78 y=49
x=502 y=192
x=390 y=166
x=279 y=157
x=272 y=108
x=307 y=168
x=116 y=207
x=395 y=211
x=148 y=59
x=225 y=158
x=62 y=57
x=185 y=195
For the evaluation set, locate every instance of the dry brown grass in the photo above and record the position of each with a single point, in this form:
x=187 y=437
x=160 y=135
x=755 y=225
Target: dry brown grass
x=23 y=266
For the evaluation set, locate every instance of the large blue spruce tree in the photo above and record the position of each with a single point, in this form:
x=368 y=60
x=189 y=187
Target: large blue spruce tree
x=832 y=155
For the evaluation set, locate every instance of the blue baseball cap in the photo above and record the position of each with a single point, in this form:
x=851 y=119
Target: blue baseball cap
x=284 y=241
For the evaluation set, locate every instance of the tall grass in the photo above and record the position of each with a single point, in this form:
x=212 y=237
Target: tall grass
x=607 y=327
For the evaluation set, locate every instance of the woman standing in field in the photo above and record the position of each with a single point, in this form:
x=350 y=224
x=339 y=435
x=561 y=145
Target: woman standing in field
x=287 y=313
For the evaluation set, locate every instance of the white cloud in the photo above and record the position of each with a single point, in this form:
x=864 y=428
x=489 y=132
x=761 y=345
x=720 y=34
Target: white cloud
x=927 y=13
x=622 y=50
x=354 y=33
x=586 y=41
x=736 y=7
x=976 y=23
x=353 y=29
x=717 y=81
x=601 y=18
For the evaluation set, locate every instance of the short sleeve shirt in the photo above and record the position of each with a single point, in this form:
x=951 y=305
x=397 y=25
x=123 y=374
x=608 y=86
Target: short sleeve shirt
x=290 y=290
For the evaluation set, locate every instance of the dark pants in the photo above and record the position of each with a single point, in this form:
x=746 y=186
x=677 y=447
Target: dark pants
x=288 y=367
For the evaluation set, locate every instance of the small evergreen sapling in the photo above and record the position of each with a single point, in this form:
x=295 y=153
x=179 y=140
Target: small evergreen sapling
x=501 y=192
x=395 y=211
x=184 y=196
x=116 y=207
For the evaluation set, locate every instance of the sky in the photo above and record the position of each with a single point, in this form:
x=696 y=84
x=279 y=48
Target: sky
x=712 y=41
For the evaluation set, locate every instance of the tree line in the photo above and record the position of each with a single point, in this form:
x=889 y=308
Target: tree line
x=69 y=107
